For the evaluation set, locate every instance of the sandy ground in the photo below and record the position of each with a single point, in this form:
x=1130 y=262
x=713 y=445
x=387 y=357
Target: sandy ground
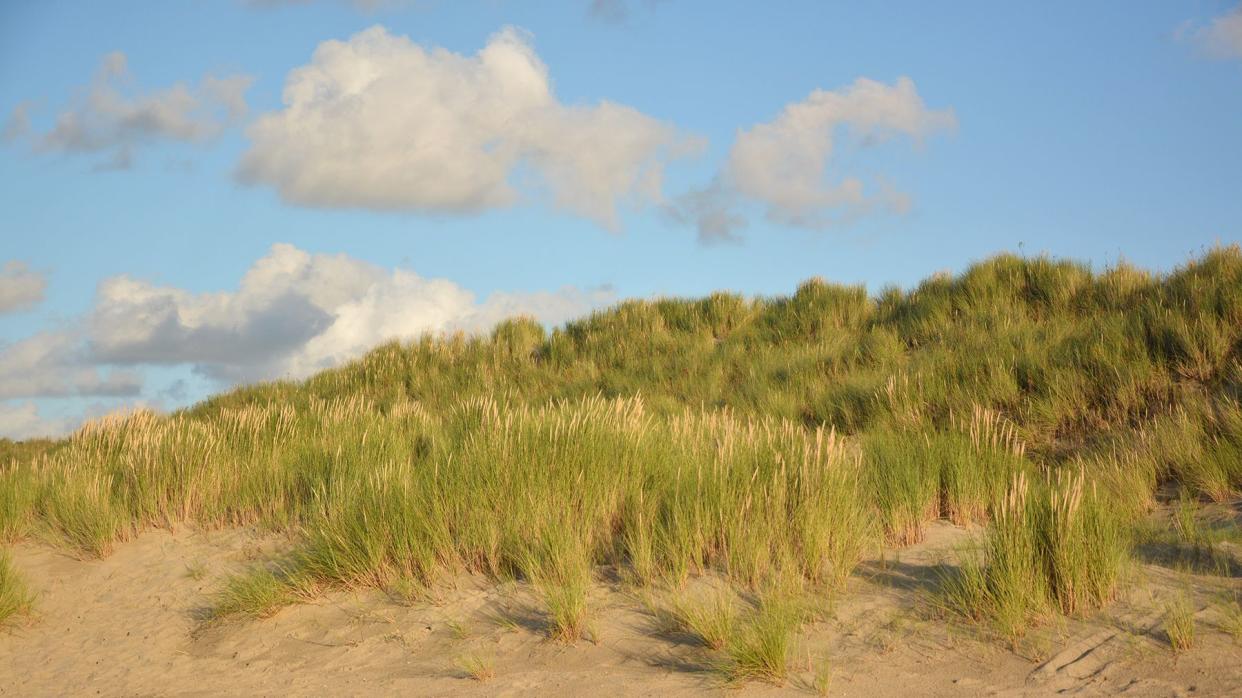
x=130 y=625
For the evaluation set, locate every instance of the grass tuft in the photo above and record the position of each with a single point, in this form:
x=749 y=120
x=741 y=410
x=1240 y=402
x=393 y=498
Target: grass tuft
x=262 y=592
x=196 y=570
x=1052 y=546
x=822 y=682
x=15 y=597
x=762 y=645
x=1231 y=618
x=477 y=667
x=710 y=618
x=1179 y=624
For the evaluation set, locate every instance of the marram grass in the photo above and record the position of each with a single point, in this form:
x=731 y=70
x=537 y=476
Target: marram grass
x=773 y=442
x=15 y=596
x=710 y=617
x=763 y=644
x=1054 y=545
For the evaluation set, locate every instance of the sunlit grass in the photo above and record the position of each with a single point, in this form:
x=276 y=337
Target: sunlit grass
x=710 y=617
x=1179 y=624
x=261 y=592
x=15 y=597
x=1052 y=546
x=769 y=443
x=478 y=667
x=1231 y=618
x=762 y=644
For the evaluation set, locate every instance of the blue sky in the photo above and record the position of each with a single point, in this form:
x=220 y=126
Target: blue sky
x=447 y=163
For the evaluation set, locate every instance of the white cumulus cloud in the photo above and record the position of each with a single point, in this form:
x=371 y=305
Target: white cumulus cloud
x=379 y=122
x=20 y=288
x=295 y=313
x=292 y=314
x=112 y=119
x=787 y=165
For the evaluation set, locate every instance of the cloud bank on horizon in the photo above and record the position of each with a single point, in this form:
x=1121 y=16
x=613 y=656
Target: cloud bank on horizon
x=292 y=314
x=782 y=164
x=295 y=313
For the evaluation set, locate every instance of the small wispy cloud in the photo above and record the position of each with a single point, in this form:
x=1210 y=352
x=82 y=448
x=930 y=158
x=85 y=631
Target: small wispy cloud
x=17 y=125
x=112 y=119
x=1220 y=37
x=618 y=11
x=786 y=166
x=711 y=210
x=21 y=288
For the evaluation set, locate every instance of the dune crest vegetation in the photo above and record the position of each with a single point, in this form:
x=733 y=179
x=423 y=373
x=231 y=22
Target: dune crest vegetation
x=774 y=442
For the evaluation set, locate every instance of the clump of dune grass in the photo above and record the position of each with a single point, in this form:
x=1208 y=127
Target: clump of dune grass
x=904 y=484
x=822 y=681
x=196 y=570
x=710 y=618
x=914 y=476
x=976 y=461
x=83 y=509
x=567 y=608
x=261 y=592
x=477 y=666
x=1187 y=524
x=457 y=628
x=1088 y=546
x=559 y=566
x=1231 y=617
x=1179 y=624
x=18 y=494
x=762 y=644
x=15 y=597
x=1054 y=546
x=1006 y=582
